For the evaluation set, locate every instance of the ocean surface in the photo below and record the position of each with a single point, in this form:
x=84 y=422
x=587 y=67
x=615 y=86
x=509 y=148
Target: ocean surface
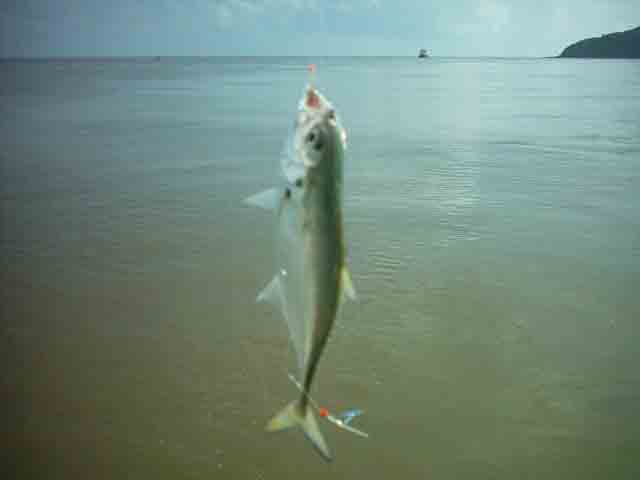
x=492 y=212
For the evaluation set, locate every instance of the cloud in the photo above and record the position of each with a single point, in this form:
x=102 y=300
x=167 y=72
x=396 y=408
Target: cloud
x=223 y=16
x=492 y=15
x=228 y=14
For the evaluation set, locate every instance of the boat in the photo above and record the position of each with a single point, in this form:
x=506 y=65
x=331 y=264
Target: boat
x=423 y=53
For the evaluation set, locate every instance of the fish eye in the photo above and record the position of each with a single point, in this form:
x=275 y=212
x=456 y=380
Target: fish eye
x=315 y=139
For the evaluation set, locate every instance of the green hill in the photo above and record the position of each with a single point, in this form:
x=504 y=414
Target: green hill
x=613 y=45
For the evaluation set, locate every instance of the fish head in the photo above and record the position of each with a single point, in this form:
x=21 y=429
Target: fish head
x=317 y=133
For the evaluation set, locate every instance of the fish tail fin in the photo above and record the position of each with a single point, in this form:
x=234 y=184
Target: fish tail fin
x=294 y=416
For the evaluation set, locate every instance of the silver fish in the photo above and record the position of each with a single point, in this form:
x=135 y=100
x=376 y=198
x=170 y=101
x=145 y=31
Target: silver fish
x=312 y=276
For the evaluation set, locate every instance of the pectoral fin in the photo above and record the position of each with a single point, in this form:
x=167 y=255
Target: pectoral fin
x=267 y=199
x=347 y=285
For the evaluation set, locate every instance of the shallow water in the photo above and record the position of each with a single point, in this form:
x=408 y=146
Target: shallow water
x=491 y=211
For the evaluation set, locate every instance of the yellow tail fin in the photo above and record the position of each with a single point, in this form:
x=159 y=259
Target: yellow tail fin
x=293 y=416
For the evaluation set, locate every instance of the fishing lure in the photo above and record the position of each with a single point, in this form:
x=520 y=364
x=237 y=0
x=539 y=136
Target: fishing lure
x=341 y=421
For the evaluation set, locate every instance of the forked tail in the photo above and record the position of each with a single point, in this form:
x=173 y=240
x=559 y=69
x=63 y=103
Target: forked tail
x=294 y=416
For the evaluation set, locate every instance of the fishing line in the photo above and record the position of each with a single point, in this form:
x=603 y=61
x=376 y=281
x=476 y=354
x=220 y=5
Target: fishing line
x=325 y=413
x=312 y=74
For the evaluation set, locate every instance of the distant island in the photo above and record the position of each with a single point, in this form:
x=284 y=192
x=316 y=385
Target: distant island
x=613 y=45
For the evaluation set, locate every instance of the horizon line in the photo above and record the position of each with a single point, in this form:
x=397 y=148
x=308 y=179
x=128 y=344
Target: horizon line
x=92 y=57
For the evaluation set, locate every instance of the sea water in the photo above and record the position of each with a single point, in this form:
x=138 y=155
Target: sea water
x=492 y=215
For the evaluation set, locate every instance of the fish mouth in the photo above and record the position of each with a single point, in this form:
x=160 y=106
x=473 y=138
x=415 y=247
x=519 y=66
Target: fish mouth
x=319 y=108
x=312 y=99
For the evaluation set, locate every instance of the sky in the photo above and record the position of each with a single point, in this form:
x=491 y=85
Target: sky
x=535 y=28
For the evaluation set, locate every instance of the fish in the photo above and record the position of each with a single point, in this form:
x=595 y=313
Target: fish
x=312 y=278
